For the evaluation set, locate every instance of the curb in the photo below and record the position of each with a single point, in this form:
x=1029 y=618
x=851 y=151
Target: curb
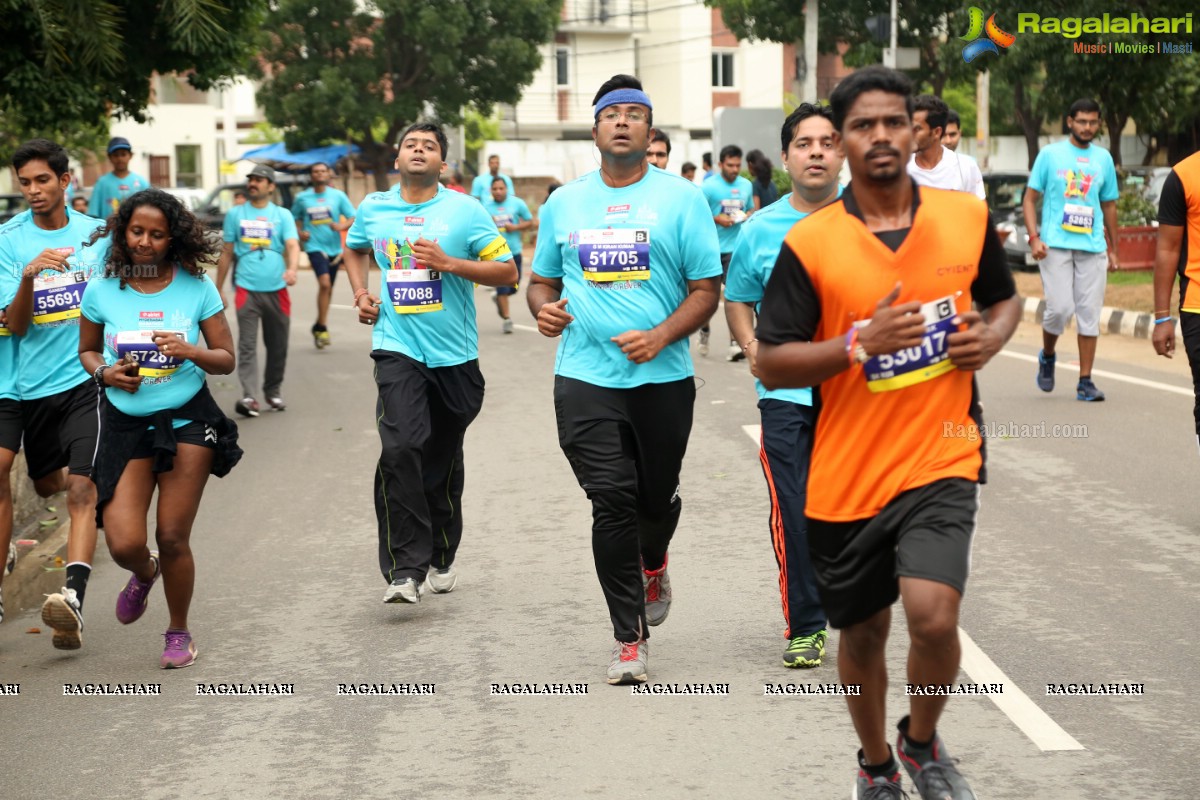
x=30 y=582
x=1113 y=321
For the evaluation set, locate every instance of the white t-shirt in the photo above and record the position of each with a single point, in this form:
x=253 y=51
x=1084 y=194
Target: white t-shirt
x=956 y=172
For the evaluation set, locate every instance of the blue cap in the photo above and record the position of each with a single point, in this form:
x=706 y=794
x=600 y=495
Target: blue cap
x=118 y=143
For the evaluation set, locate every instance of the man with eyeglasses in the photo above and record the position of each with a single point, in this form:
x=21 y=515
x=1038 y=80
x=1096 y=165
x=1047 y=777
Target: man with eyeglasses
x=1079 y=182
x=626 y=269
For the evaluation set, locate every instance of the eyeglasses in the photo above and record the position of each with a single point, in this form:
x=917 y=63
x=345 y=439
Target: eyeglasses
x=633 y=116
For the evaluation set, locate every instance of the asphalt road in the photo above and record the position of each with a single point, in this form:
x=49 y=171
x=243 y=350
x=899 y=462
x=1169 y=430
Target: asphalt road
x=1085 y=565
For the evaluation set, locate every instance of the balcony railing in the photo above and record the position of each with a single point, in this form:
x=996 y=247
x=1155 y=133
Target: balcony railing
x=603 y=16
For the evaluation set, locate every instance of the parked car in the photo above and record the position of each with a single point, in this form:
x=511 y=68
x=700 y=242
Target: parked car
x=214 y=208
x=193 y=199
x=10 y=206
x=1005 y=194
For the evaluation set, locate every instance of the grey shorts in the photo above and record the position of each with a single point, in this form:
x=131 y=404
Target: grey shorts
x=1073 y=281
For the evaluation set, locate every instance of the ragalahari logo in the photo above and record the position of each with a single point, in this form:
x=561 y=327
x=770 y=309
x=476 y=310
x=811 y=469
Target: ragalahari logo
x=995 y=40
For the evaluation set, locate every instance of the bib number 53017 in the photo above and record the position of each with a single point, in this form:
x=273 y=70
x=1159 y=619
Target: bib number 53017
x=890 y=371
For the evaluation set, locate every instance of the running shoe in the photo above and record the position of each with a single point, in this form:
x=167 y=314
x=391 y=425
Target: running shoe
x=180 y=650
x=1045 y=376
x=735 y=353
x=628 y=664
x=63 y=612
x=403 y=590
x=1087 y=391
x=133 y=599
x=323 y=340
x=277 y=404
x=878 y=787
x=807 y=650
x=247 y=407
x=316 y=334
x=507 y=326
x=656 y=585
x=702 y=348
x=933 y=772
x=11 y=563
x=443 y=581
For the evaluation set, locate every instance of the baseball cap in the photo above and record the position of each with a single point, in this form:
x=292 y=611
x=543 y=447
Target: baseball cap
x=119 y=143
x=262 y=171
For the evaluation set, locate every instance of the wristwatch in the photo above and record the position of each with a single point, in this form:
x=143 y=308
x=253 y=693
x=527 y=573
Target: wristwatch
x=98 y=375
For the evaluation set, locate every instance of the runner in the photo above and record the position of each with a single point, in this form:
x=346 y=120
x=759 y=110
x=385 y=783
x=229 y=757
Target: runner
x=1079 y=182
x=433 y=245
x=481 y=187
x=321 y=214
x=261 y=244
x=627 y=269
x=688 y=171
x=1179 y=253
x=933 y=164
x=731 y=202
x=79 y=204
x=813 y=163
x=10 y=432
x=953 y=133
x=511 y=216
x=876 y=311
x=46 y=266
x=660 y=150
x=112 y=188
x=139 y=337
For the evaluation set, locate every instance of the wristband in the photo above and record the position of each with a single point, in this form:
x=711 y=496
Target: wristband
x=851 y=343
x=746 y=346
x=98 y=375
x=359 y=293
x=1164 y=319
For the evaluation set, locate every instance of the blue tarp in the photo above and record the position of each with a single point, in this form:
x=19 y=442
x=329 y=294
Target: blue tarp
x=278 y=157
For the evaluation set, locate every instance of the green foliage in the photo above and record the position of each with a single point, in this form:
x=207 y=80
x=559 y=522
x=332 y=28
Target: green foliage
x=1133 y=208
x=961 y=98
x=782 y=181
x=264 y=133
x=477 y=130
x=362 y=71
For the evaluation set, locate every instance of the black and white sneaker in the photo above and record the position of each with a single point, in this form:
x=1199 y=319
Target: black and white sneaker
x=63 y=612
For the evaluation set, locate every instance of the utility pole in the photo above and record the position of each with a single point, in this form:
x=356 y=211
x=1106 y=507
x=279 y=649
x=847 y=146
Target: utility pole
x=982 y=121
x=810 y=52
x=889 y=59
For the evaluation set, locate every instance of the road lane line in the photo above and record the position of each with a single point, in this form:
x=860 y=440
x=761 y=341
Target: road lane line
x=1116 y=376
x=1016 y=705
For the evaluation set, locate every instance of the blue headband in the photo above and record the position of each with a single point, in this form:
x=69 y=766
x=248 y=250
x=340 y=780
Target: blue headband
x=622 y=96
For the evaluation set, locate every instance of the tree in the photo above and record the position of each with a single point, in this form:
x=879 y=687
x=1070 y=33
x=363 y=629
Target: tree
x=347 y=70
x=68 y=66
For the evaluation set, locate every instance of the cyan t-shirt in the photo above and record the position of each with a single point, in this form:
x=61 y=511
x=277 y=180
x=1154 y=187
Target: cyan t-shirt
x=750 y=268
x=427 y=315
x=481 y=187
x=129 y=317
x=512 y=211
x=259 y=236
x=624 y=256
x=1074 y=183
x=9 y=343
x=735 y=199
x=317 y=213
x=48 y=356
x=110 y=190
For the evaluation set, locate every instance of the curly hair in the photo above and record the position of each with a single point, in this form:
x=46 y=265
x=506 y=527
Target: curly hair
x=190 y=244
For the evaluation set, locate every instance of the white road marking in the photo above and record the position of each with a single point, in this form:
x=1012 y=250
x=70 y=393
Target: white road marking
x=1116 y=376
x=1016 y=705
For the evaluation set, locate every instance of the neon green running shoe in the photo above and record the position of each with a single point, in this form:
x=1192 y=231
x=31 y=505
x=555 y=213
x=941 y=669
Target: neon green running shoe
x=806 y=651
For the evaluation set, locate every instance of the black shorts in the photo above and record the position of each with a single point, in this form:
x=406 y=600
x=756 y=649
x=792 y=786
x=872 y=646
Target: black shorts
x=923 y=533
x=10 y=424
x=323 y=264
x=61 y=430
x=725 y=259
x=504 y=290
x=196 y=433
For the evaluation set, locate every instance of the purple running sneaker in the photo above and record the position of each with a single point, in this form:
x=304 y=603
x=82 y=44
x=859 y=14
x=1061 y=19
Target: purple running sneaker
x=131 y=602
x=180 y=652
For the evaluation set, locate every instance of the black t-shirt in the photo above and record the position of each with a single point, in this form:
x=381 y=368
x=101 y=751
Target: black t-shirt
x=790 y=307
x=1172 y=210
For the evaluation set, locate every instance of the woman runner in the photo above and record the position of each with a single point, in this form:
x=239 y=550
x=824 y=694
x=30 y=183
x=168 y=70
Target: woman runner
x=140 y=327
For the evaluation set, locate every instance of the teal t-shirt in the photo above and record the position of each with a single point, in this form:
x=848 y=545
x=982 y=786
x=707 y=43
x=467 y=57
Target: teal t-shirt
x=427 y=315
x=624 y=256
x=110 y=190
x=9 y=283
x=734 y=199
x=511 y=211
x=129 y=317
x=481 y=187
x=317 y=213
x=750 y=268
x=259 y=236
x=1074 y=182
x=48 y=356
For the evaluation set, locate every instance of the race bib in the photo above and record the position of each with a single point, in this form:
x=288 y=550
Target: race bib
x=888 y=372
x=502 y=219
x=734 y=209
x=609 y=255
x=57 y=297
x=141 y=347
x=256 y=232
x=319 y=215
x=415 y=291
x=1077 y=218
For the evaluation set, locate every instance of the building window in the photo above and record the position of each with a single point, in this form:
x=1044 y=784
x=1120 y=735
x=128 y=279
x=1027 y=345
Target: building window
x=187 y=165
x=722 y=70
x=562 y=70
